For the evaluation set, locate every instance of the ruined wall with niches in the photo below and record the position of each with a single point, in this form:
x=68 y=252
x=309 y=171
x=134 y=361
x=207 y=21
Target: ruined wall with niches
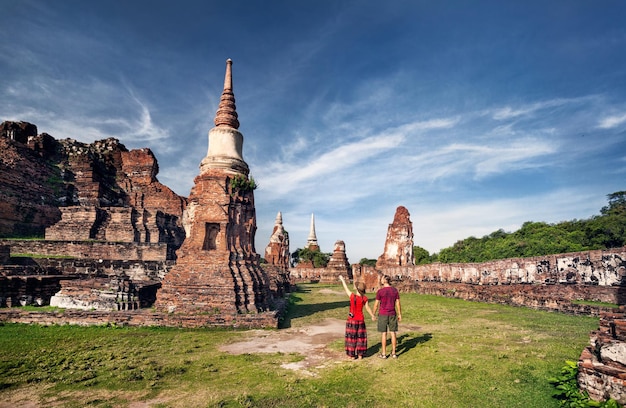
x=558 y=297
x=134 y=269
x=306 y=274
x=91 y=249
x=37 y=280
x=598 y=267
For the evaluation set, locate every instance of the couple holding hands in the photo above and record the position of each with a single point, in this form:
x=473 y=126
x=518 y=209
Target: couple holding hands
x=387 y=305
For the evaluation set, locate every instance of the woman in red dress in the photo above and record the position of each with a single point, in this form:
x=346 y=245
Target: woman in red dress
x=356 y=333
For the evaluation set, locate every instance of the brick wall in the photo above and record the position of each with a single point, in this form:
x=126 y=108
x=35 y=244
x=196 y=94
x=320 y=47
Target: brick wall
x=142 y=317
x=598 y=267
x=142 y=251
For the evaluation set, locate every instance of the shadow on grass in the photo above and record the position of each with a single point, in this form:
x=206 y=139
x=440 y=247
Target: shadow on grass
x=406 y=342
x=295 y=311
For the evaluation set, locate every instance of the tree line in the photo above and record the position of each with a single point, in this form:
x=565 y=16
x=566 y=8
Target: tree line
x=603 y=231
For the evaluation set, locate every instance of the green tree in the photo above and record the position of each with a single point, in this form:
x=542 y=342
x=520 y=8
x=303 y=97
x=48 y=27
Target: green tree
x=607 y=230
x=369 y=262
x=421 y=255
x=319 y=259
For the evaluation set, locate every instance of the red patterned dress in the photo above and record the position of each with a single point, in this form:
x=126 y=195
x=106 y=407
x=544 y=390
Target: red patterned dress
x=356 y=333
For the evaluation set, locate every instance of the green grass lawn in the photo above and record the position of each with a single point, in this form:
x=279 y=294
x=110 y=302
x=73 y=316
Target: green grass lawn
x=453 y=353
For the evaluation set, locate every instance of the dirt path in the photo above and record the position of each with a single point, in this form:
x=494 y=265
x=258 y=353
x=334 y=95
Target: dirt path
x=310 y=341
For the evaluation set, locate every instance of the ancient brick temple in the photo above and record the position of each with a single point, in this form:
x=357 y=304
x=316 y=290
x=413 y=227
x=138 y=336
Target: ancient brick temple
x=337 y=265
x=277 y=251
x=218 y=268
x=277 y=259
x=399 y=243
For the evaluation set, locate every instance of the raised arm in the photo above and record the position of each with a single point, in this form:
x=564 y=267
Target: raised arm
x=345 y=287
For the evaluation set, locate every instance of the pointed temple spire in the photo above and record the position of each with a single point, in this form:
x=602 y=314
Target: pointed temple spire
x=226 y=114
x=312 y=239
x=225 y=139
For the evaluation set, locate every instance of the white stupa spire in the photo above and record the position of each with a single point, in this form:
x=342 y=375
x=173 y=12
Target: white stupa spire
x=225 y=140
x=312 y=239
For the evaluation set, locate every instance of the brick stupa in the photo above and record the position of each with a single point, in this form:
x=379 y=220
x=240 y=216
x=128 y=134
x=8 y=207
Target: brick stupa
x=218 y=270
x=399 y=242
x=277 y=251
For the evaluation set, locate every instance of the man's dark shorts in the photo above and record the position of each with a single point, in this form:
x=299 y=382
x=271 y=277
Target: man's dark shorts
x=387 y=322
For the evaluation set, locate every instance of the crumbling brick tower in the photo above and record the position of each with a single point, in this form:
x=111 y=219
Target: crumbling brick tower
x=218 y=270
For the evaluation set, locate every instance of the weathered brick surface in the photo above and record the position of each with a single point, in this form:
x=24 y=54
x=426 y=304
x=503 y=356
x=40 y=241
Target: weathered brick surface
x=28 y=188
x=18 y=131
x=598 y=267
x=399 y=242
x=143 y=317
x=549 y=282
x=23 y=290
x=279 y=280
x=302 y=274
x=111 y=293
x=78 y=191
x=37 y=280
x=128 y=251
x=217 y=266
x=277 y=250
x=337 y=265
x=602 y=365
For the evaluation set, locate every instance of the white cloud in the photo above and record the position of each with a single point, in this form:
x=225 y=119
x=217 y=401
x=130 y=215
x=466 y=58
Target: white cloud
x=527 y=109
x=285 y=177
x=611 y=122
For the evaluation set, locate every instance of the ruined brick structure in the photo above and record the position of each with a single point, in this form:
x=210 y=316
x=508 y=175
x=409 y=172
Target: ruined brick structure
x=399 y=242
x=602 y=365
x=277 y=251
x=120 y=228
x=117 y=293
x=75 y=191
x=116 y=197
x=95 y=201
x=337 y=265
x=218 y=269
x=28 y=184
x=606 y=268
x=277 y=259
x=90 y=275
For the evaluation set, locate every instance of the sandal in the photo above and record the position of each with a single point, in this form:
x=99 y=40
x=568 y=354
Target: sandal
x=394 y=356
x=383 y=356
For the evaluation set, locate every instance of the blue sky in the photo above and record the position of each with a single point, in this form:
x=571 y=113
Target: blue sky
x=474 y=115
